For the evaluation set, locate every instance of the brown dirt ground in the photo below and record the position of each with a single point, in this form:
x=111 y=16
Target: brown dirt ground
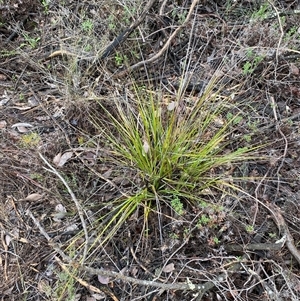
x=45 y=104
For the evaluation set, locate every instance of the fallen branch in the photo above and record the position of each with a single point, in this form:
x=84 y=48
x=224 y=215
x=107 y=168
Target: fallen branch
x=283 y=228
x=184 y=286
x=125 y=34
x=254 y=247
x=163 y=49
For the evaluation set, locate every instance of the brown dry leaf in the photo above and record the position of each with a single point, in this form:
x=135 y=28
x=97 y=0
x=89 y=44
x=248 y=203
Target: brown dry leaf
x=103 y=279
x=95 y=297
x=134 y=272
x=56 y=159
x=5 y=98
x=171 y=106
x=169 y=268
x=8 y=239
x=60 y=160
x=90 y=157
x=3 y=124
x=3 y=77
x=61 y=212
x=64 y=158
x=146 y=147
x=107 y=174
x=24 y=240
x=33 y=197
x=22 y=127
x=294 y=69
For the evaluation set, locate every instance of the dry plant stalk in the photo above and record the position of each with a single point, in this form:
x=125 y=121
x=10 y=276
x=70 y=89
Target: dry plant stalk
x=163 y=49
x=77 y=204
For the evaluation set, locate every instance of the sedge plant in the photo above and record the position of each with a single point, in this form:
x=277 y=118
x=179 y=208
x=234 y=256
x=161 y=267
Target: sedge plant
x=177 y=150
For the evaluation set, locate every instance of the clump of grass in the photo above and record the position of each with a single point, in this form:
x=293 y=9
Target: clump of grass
x=177 y=150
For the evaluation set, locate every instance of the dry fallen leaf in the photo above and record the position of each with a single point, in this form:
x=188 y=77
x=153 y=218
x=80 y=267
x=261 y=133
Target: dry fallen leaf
x=60 y=160
x=169 y=268
x=146 y=147
x=61 y=212
x=4 y=98
x=22 y=127
x=103 y=279
x=171 y=106
x=134 y=272
x=294 y=69
x=56 y=159
x=3 y=124
x=8 y=239
x=107 y=174
x=95 y=297
x=33 y=197
x=3 y=77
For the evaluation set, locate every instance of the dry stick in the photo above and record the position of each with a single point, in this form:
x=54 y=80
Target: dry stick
x=124 y=35
x=283 y=156
x=166 y=286
x=116 y=42
x=164 y=48
x=74 y=199
x=68 y=259
x=162 y=8
x=282 y=227
x=186 y=286
x=90 y=287
x=45 y=234
x=281 y=30
x=287 y=238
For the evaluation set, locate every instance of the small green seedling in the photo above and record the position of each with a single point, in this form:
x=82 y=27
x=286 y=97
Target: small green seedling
x=32 y=42
x=249 y=229
x=177 y=205
x=262 y=13
x=87 y=25
x=203 y=221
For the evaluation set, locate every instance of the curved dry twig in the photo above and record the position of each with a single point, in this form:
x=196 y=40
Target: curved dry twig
x=163 y=49
x=283 y=228
x=123 y=36
x=77 y=204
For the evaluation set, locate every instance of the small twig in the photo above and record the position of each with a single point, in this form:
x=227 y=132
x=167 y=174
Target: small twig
x=166 y=286
x=281 y=31
x=90 y=287
x=282 y=227
x=68 y=259
x=163 y=49
x=46 y=235
x=77 y=204
x=285 y=141
x=188 y=286
x=200 y=289
x=254 y=247
x=125 y=34
x=136 y=259
x=256 y=197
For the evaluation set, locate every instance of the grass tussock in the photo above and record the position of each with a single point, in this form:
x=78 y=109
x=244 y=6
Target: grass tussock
x=178 y=149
